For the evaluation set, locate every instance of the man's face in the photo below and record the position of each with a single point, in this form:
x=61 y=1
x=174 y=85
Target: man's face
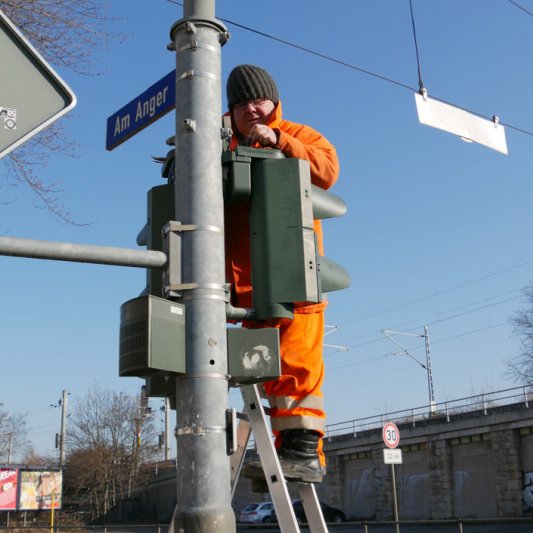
x=248 y=114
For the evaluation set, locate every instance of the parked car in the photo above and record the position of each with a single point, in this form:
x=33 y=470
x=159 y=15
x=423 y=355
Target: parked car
x=257 y=513
x=331 y=514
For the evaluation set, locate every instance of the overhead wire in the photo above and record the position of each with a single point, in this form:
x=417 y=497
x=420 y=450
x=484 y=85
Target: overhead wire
x=424 y=319
x=433 y=342
x=359 y=69
x=406 y=86
x=438 y=313
x=458 y=315
x=37 y=411
x=358 y=362
x=320 y=55
x=438 y=293
x=471 y=332
x=420 y=82
x=520 y=7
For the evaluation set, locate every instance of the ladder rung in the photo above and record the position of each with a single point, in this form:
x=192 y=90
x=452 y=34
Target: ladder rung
x=274 y=476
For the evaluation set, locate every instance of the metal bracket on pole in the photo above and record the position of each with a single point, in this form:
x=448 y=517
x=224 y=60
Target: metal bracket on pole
x=241 y=434
x=173 y=286
x=172 y=249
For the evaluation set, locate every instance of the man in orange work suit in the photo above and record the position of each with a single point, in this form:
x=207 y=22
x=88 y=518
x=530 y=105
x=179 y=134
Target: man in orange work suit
x=297 y=410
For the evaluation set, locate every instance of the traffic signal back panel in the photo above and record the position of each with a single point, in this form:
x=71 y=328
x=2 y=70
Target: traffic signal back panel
x=284 y=262
x=152 y=337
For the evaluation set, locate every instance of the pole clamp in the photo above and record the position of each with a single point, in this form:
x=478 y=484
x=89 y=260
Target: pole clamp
x=173 y=285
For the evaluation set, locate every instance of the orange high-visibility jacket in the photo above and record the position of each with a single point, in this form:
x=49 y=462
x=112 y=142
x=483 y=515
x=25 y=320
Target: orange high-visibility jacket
x=295 y=140
x=296 y=397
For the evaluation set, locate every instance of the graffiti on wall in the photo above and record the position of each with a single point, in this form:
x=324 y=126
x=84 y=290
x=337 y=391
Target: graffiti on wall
x=527 y=492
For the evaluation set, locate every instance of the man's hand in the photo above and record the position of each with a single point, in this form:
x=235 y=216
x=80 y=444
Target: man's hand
x=262 y=135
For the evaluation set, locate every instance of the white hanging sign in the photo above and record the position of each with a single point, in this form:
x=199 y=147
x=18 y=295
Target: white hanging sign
x=466 y=125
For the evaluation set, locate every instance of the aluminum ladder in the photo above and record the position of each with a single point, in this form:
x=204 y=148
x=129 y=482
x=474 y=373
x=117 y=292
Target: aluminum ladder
x=256 y=422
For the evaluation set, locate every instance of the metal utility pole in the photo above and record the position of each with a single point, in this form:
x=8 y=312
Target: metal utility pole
x=63 y=439
x=426 y=367
x=167 y=428
x=432 y=403
x=203 y=467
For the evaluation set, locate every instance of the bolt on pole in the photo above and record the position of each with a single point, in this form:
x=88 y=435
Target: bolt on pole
x=203 y=467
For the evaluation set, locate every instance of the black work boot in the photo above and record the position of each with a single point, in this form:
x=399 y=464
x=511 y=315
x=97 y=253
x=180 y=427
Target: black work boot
x=298 y=456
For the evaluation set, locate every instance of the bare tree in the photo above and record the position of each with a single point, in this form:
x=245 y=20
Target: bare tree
x=12 y=435
x=67 y=33
x=111 y=435
x=32 y=458
x=520 y=367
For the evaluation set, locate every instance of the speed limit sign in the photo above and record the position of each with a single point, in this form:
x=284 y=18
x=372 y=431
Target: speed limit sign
x=391 y=435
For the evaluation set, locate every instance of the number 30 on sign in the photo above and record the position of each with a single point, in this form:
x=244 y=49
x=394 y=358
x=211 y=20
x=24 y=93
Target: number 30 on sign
x=391 y=435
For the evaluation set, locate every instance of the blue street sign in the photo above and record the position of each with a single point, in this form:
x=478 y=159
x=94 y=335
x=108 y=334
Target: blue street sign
x=155 y=102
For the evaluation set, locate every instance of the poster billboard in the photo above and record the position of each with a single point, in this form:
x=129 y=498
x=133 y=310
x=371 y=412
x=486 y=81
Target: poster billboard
x=8 y=489
x=40 y=489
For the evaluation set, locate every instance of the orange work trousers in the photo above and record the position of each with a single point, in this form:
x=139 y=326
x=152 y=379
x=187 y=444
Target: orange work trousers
x=296 y=397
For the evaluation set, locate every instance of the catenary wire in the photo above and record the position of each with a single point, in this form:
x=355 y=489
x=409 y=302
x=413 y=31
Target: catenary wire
x=520 y=7
x=440 y=313
x=433 y=342
x=458 y=315
x=424 y=318
x=471 y=332
x=420 y=82
x=389 y=80
x=359 y=69
x=36 y=411
x=438 y=293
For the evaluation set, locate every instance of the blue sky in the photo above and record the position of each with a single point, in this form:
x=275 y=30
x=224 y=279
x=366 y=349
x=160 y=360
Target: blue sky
x=438 y=231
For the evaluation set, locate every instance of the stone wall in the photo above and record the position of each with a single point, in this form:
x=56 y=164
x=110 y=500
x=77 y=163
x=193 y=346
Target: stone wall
x=472 y=465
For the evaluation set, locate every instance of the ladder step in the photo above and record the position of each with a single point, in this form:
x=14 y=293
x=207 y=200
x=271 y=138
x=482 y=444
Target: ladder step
x=277 y=485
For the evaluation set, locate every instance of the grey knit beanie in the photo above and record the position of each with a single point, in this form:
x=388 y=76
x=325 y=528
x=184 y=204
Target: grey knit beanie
x=248 y=82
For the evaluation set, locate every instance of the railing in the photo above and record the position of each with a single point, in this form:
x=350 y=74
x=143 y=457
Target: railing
x=444 y=410
x=466 y=525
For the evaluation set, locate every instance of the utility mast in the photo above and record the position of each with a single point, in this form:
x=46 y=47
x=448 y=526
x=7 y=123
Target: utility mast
x=432 y=403
x=167 y=428
x=62 y=437
x=427 y=367
x=203 y=466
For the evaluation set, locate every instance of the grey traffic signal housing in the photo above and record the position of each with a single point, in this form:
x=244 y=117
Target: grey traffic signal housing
x=152 y=337
x=160 y=209
x=286 y=266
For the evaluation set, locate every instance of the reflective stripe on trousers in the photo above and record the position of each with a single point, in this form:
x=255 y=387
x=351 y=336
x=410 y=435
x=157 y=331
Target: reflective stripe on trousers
x=296 y=396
